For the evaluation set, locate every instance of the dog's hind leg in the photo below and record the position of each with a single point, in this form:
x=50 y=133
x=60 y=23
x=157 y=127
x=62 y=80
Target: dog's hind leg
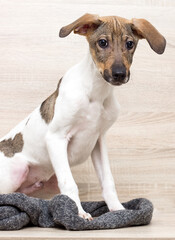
x=13 y=172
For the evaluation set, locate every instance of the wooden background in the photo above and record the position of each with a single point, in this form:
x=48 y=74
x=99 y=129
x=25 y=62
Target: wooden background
x=142 y=142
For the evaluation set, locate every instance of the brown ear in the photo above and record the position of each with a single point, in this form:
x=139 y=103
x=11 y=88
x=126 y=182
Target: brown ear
x=81 y=26
x=145 y=29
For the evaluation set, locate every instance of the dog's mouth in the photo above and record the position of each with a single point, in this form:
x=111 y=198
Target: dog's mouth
x=116 y=81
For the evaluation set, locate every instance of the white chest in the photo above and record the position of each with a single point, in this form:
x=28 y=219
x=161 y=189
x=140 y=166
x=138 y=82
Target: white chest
x=92 y=121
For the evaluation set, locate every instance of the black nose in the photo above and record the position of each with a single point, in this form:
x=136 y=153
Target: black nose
x=119 y=73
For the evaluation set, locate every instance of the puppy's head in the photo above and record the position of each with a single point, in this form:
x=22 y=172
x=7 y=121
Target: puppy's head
x=113 y=40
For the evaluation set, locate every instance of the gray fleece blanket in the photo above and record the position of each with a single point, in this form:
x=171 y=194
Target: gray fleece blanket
x=18 y=210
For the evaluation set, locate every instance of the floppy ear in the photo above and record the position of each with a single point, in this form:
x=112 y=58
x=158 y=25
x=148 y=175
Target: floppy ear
x=81 y=26
x=145 y=29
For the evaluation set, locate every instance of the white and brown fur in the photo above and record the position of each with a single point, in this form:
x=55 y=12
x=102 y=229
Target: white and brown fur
x=70 y=125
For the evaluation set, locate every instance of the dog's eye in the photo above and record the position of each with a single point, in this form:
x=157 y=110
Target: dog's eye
x=129 y=45
x=103 y=43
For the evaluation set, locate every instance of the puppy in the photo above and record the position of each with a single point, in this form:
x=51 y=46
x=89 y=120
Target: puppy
x=70 y=125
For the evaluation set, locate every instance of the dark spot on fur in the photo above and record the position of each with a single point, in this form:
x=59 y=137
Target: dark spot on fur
x=48 y=106
x=11 y=146
x=27 y=121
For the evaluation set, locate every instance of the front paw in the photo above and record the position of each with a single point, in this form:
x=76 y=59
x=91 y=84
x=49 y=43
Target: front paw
x=112 y=201
x=115 y=207
x=85 y=215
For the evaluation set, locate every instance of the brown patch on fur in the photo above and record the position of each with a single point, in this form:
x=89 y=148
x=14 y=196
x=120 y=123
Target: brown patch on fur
x=11 y=146
x=48 y=106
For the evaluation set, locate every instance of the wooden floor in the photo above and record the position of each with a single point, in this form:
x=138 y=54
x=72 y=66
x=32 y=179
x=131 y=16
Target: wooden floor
x=141 y=144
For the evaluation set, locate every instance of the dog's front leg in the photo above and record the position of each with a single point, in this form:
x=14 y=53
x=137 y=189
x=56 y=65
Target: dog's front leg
x=102 y=167
x=57 y=148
